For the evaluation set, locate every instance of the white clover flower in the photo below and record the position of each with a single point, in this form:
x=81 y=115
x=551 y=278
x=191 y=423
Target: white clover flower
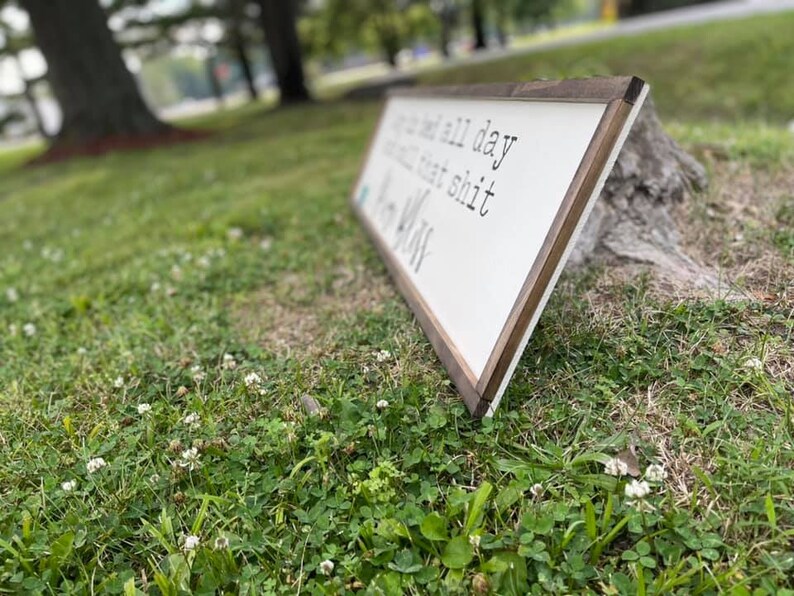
x=191 y=542
x=12 y=295
x=81 y=351
x=637 y=489
x=536 y=490
x=154 y=478
x=474 y=540
x=95 y=464
x=234 y=233
x=616 y=467
x=69 y=486
x=204 y=262
x=29 y=329
x=327 y=567
x=176 y=273
x=382 y=404
x=190 y=459
x=252 y=380
x=155 y=287
x=144 y=408
x=221 y=543
x=13 y=330
x=52 y=254
x=655 y=473
x=118 y=382
x=753 y=364
x=192 y=420
x=266 y=244
x=198 y=374
x=382 y=355
x=229 y=362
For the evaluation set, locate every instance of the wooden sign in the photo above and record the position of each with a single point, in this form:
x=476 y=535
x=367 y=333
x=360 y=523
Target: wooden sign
x=474 y=197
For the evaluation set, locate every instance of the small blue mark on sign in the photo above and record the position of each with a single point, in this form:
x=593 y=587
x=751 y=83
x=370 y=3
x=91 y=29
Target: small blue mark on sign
x=362 y=196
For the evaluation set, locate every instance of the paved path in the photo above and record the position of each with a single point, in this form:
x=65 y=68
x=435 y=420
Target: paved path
x=690 y=15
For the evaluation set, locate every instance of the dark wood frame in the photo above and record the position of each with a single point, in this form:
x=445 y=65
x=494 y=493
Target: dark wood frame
x=619 y=94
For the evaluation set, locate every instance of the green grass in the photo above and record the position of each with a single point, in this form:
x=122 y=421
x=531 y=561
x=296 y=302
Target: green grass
x=730 y=70
x=126 y=267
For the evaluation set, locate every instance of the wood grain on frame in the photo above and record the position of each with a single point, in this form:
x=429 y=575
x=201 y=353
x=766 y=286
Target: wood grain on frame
x=619 y=93
x=554 y=245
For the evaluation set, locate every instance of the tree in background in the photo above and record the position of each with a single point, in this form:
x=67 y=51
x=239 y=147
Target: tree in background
x=507 y=12
x=447 y=13
x=98 y=96
x=237 y=37
x=278 y=18
x=384 y=25
x=478 y=24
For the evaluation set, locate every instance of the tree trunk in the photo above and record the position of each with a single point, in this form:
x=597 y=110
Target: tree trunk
x=445 y=18
x=391 y=47
x=478 y=24
x=389 y=36
x=97 y=94
x=632 y=220
x=278 y=22
x=443 y=41
x=238 y=44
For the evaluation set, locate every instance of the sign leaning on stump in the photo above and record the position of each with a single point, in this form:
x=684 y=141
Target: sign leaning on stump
x=474 y=196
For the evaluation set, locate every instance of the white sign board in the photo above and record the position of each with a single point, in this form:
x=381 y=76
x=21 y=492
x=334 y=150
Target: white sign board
x=474 y=195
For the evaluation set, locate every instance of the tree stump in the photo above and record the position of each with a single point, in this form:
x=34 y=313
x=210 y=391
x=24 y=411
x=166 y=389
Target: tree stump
x=632 y=221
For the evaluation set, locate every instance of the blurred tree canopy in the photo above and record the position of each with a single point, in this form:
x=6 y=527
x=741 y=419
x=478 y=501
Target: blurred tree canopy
x=87 y=42
x=385 y=26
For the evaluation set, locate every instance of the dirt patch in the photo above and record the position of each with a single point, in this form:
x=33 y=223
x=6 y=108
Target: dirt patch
x=62 y=152
x=292 y=321
x=727 y=230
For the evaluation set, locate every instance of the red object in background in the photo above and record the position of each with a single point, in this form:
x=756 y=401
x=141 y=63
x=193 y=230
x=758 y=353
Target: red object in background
x=222 y=71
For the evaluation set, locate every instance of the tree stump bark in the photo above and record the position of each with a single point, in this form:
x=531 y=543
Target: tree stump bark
x=632 y=220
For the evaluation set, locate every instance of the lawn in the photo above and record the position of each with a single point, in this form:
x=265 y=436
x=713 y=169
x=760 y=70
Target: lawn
x=729 y=70
x=162 y=313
